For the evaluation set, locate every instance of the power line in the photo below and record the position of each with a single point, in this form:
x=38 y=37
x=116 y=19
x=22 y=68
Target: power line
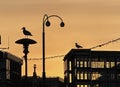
x=51 y=57
x=94 y=47
x=106 y=43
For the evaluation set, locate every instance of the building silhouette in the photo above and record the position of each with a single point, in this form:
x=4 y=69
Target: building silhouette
x=90 y=68
x=10 y=69
x=10 y=74
x=82 y=68
x=37 y=81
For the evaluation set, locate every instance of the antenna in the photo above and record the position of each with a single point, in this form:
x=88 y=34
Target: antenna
x=8 y=42
x=0 y=39
x=3 y=48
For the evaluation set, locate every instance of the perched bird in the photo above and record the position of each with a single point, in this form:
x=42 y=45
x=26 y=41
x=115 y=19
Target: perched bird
x=78 y=46
x=25 y=32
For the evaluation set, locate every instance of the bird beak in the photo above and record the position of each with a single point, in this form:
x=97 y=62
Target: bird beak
x=22 y=28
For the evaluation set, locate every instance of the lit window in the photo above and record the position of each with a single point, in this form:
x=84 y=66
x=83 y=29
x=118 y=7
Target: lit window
x=70 y=65
x=78 y=63
x=70 y=77
x=81 y=63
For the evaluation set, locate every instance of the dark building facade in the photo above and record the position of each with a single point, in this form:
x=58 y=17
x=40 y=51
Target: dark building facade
x=10 y=74
x=90 y=68
x=10 y=69
x=54 y=82
x=35 y=81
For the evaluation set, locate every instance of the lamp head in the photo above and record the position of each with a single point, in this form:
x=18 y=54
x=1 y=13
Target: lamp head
x=47 y=23
x=62 y=24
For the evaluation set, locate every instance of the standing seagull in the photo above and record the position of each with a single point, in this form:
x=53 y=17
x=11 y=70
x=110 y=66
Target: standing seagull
x=78 y=46
x=25 y=32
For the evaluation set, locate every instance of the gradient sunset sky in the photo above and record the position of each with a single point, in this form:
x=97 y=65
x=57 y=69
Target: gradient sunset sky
x=87 y=22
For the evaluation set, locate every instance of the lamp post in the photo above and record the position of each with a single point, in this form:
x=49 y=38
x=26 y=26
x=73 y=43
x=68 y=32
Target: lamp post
x=25 y=42
x=46 y=22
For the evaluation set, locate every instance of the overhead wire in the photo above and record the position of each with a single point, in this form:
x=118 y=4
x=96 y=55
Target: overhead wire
x=106 y=43
x=51 y=57
x=94 y=47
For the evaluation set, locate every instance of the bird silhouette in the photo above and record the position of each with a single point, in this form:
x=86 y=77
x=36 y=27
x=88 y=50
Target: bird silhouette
x=26 y=33
x=78 y=46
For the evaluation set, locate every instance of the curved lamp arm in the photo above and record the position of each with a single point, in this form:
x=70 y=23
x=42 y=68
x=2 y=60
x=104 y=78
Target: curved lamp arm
x=46 y=20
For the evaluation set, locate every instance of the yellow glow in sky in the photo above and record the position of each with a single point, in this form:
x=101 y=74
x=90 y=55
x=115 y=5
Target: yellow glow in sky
x=88 y=22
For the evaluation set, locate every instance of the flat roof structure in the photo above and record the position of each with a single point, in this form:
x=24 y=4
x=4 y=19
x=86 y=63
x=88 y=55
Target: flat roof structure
x=92 y=68
x=10 y=66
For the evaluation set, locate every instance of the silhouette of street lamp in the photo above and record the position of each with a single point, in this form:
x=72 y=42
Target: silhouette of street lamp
x=25 y=42
x=46 y=22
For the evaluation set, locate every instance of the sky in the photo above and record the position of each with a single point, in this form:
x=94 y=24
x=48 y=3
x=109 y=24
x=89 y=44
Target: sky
x=87 y=22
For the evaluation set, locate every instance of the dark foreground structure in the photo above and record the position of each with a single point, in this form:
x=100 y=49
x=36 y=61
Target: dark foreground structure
x=38 y=82
x=10 y=74
x=90 y=68
x=10 y=69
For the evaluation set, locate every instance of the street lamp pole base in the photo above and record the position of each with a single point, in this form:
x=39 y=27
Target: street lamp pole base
x=44 y=79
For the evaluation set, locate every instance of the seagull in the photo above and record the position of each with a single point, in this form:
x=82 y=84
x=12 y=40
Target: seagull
x=25 y=32
x=78 y=46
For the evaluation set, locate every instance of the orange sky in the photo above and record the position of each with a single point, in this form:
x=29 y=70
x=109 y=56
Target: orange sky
x=88 y=22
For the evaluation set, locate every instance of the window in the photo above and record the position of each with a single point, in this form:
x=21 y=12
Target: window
x=65 y=65
x=95 y=75
x=78 y=63
x=81 y=63
x=70 y=65
x=97 y=64
x=83 y=86
x=78 y=76
x=7 y=69
x=82 y=76
x=70 y=77
x=85 y=63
